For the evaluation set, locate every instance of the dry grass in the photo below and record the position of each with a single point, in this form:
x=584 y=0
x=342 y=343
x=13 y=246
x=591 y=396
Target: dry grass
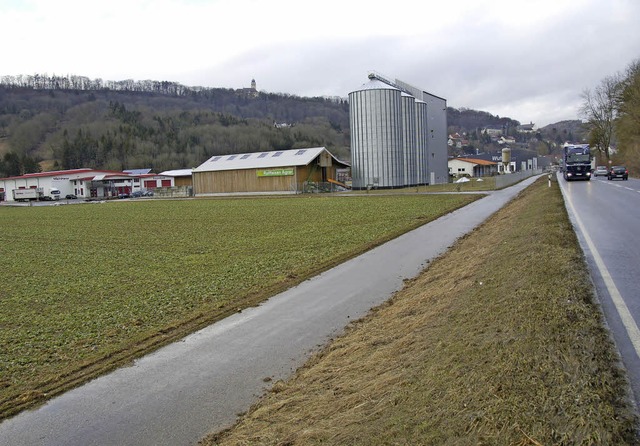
x=498 y=342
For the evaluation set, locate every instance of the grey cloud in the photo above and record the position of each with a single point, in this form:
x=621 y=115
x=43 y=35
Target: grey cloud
x=536 y=74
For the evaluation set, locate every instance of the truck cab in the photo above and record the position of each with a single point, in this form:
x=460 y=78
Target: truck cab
x=54 y=194
x=576 y=162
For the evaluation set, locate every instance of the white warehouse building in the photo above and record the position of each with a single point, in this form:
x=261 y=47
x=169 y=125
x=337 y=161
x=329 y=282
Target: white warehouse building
x=398 y=135
x=84 y=183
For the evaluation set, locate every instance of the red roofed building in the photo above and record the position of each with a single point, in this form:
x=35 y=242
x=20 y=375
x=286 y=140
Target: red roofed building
x=83 y=183
x=472 y=167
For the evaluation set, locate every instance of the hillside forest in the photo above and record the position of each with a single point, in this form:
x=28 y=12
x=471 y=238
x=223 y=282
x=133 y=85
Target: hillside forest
x=52 y=123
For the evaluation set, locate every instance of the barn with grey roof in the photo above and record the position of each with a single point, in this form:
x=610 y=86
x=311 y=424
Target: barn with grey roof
x=281 y=171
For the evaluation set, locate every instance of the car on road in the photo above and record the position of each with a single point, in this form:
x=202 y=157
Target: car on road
x=70 y=197
x=601 y=171
x=618 y=172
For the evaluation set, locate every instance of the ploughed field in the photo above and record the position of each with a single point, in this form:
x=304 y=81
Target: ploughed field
x=87 y=288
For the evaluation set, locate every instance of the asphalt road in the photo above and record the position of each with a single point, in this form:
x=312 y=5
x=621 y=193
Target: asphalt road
x=606 y=216
x=180 y=393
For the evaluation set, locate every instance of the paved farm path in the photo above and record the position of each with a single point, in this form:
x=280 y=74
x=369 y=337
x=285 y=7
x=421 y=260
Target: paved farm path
x=183 y=391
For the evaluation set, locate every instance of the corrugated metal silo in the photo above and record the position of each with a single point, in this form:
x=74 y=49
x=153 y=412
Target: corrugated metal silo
x=437 y=138
x=506 y=159
x=376 y=136
x=422 y=144
x=409 y=139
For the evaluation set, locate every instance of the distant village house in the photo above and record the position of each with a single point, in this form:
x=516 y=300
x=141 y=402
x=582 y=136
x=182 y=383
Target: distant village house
x=470 y=167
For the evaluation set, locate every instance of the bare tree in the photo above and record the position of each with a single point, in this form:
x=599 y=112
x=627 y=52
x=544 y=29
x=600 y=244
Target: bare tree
x=599 y=109
x=628 y=122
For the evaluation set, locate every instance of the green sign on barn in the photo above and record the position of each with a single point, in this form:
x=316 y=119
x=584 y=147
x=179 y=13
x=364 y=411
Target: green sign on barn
x=275 y=172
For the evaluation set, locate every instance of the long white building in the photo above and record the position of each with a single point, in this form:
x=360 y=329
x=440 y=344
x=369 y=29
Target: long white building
x=83 y=183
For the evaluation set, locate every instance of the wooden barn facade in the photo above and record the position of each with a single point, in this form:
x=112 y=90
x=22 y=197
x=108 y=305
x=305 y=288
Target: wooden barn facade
x=284 y=171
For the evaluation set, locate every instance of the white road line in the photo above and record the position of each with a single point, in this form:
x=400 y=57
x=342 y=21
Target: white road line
x=621 y=307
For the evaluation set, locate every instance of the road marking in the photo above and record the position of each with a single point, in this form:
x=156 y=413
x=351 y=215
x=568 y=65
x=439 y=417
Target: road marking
x=621 y=307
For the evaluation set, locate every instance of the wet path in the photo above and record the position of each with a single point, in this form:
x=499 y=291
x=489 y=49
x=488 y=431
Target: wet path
x=180 y=393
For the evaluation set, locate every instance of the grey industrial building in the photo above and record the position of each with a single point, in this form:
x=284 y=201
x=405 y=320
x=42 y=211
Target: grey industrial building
x=398 y=135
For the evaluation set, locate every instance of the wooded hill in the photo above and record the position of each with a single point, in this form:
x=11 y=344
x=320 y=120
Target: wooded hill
x=151 y=125
x=50 y=122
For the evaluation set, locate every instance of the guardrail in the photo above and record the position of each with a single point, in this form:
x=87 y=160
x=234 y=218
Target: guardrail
x=512 y=178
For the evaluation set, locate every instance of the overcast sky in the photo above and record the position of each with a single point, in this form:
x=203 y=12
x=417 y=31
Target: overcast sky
x=529 y=60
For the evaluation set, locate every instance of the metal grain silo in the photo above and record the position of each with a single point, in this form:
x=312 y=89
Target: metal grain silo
x=409 y=139
x=437 y=138
x=506 y=159
x=376 y=136
x=422 y=144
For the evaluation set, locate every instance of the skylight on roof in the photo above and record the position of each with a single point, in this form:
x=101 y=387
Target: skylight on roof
x=277 y=154
x=215 y=158
x=245 y=156
x=300 y=152
x=232 y=157
x=262 y=155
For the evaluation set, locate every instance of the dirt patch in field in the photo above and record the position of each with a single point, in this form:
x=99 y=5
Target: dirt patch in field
x=498 y=342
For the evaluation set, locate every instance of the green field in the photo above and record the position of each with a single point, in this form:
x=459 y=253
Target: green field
x=86 y=288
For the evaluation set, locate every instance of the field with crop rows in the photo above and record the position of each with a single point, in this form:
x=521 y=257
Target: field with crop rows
x=86 y=288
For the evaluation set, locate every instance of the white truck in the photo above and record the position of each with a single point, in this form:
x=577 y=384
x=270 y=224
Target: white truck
x=52 y=194
x=36 y=194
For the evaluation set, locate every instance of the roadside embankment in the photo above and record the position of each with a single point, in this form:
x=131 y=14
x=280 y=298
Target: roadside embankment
x=500 y=341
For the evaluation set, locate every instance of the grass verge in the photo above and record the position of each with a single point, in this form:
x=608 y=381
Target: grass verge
x=498 y=342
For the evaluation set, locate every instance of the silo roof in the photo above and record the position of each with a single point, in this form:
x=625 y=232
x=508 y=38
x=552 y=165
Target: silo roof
x=375 y=84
